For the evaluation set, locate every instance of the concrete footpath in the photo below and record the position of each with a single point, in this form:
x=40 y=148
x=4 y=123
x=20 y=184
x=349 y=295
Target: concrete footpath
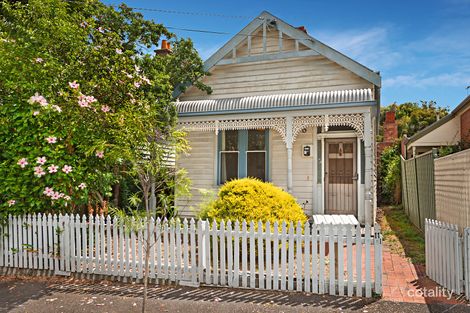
x=40 y=294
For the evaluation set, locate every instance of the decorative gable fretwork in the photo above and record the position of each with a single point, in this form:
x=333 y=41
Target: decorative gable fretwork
x=280 y=124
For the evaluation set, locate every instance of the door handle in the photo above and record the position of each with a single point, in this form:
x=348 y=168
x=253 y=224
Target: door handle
x=355 y=177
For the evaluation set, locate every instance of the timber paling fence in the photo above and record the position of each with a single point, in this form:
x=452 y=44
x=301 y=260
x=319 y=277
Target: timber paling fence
x=452 y=175
x=437 y=188
x=418 y=199
x=334 y=259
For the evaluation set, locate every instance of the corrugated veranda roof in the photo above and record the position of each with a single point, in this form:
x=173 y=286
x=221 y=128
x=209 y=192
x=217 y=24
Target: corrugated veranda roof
x=279 y=101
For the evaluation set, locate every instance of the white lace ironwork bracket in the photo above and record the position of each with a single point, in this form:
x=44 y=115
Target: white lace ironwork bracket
x=278 y=124
x=356 y=121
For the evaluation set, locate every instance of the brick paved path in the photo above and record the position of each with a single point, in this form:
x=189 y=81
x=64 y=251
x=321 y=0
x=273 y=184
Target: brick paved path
x=406 y=282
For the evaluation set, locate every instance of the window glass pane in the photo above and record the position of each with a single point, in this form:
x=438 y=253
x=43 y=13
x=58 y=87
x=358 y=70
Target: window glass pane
x=228 y=166
x=340 y=171
x=333 y=147
x=256 y=139
x=256 y=165
x=230 y=140
x=348 y=147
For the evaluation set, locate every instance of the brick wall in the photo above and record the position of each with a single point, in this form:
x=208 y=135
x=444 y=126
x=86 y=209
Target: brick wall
x=465 y=126
x=390 y=133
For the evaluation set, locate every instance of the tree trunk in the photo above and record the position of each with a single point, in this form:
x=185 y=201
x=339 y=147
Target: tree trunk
x=116 y=188
x=147 y=250
x=116 y=192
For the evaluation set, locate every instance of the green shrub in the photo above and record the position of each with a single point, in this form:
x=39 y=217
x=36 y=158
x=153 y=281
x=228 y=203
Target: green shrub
x=251 y=199
x=390 y=175
x=392 y=180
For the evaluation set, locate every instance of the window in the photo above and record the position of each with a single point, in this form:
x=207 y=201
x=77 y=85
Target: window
x=243 y=153
x=256 y=154
x=229 y=155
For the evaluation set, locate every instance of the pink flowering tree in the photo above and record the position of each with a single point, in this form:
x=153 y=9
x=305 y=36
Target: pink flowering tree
x=79 y=87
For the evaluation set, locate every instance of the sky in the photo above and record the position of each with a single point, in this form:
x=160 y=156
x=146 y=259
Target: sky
x=421 y=48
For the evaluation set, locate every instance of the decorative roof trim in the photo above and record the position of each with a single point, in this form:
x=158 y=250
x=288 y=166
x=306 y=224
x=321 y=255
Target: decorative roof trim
x=279 y=124
x=328 y=52
x=274 y=102
x=355 y=121
x=304 y=38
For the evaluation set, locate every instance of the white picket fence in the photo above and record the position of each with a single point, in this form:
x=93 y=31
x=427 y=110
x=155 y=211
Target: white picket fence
x=334 y=259
x=466 y=261
x=444 y=261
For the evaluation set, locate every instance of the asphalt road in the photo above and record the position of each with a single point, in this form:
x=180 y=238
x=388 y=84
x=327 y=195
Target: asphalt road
x=46 y=295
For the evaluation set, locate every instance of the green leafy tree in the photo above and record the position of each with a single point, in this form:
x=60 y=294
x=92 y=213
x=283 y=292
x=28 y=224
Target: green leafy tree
x=85 y=104
x=75 y=80
x=390 y=175
x=411 y=118
x=147 y=144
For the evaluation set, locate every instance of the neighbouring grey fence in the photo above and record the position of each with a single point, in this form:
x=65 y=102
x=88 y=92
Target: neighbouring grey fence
x=334 y=259
x=452 y=185
x=418 y=188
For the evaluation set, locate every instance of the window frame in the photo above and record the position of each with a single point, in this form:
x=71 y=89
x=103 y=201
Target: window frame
x=219 y=168
x=243 y=154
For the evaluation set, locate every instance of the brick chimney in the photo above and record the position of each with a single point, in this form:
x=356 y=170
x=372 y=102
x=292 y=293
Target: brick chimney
x=302 y=28
x=165 y=48
x=390 y=127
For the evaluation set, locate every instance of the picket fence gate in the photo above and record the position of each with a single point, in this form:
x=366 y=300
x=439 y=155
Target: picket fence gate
x=444 y=260
x=334 y=259
x=448 y=256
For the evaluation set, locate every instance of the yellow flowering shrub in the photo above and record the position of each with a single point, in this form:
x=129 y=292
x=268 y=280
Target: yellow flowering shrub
x=251 y=199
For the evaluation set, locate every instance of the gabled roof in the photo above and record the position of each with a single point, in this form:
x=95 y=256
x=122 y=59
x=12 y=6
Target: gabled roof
x=302 y=37
x=275 y=102
x=439 y=123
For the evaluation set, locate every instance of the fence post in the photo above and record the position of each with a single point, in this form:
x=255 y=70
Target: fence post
x=378 y=259
x=269 y=256
x=202 y=243
x=229 y=254
x=426 y=247
x=417 y=192
x=435 y=154
x=466 y=262
x=236 y=255
x=405 y=186
x=276 y=255
x=207 y=255
x=252 y=252
x=192 y=228
x=200 y=251
x=290 y=269
x=215 y=254
x=460 y=263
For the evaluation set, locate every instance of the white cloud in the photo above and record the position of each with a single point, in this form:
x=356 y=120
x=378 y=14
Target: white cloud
x=370 y=47
x=440 y=59
x=457 y=79
x=448 y=39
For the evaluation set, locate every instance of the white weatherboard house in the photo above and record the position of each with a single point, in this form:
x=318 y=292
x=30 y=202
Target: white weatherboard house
x=288 y=109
